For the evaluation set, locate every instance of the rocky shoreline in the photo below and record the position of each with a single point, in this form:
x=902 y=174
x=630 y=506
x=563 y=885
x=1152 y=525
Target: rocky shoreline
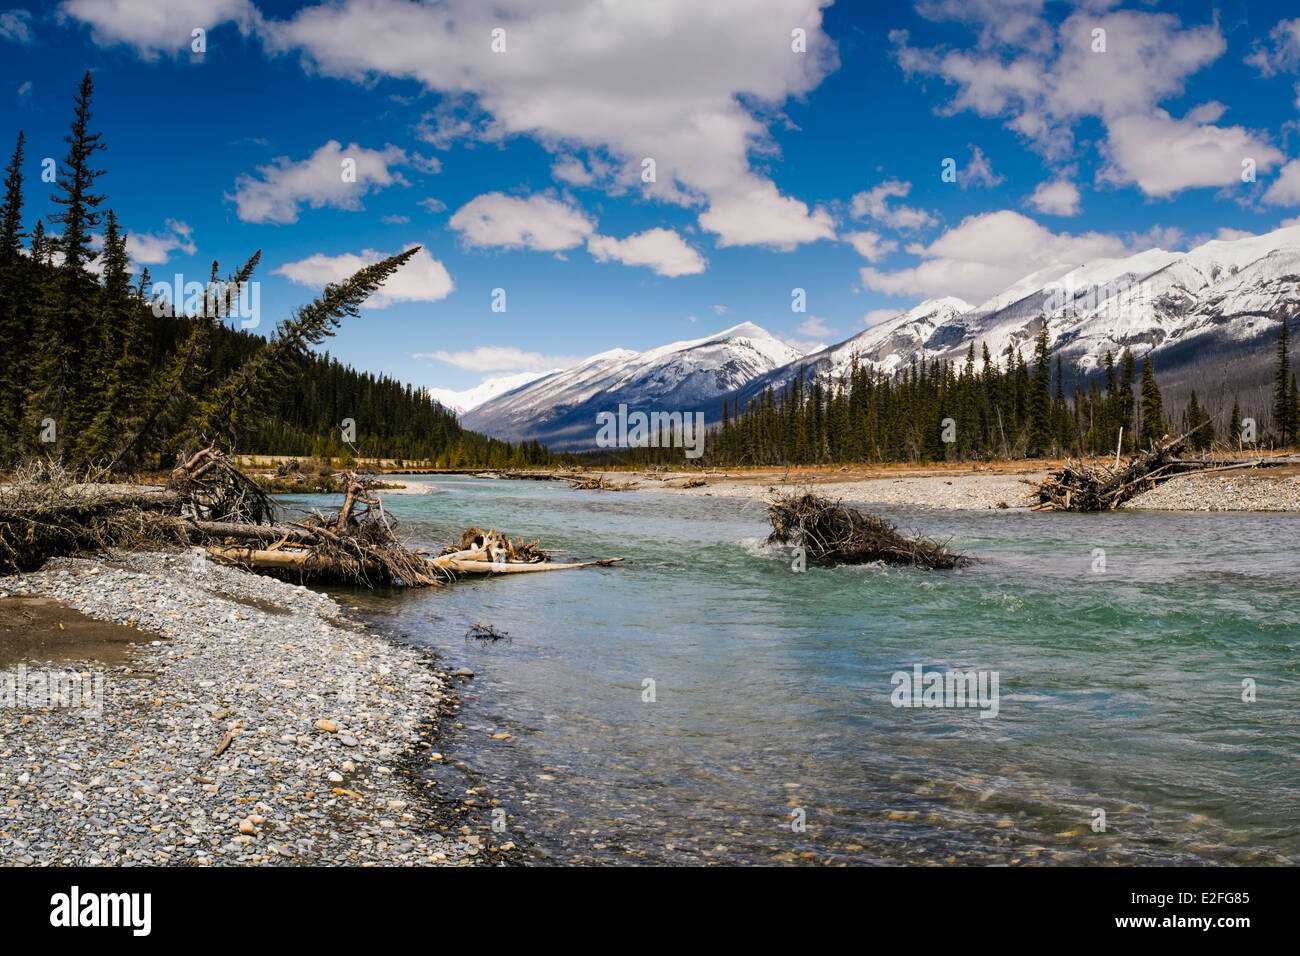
x=1262 y=490
x=1235 y=491
x=253 y=724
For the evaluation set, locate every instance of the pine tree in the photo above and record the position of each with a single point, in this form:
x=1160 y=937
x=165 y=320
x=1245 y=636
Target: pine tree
x=1293 y=405
x=231 y=408
x=1040 y=407
x=1124 y=406
x=15 y=369
x=123 y=346
x=1284 y=411
x=1234 y=423
x=1153 y=414
x=1197 y=421
x=72 y=390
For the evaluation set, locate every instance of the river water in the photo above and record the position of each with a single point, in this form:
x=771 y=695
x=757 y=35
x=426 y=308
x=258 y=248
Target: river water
x=706 y=703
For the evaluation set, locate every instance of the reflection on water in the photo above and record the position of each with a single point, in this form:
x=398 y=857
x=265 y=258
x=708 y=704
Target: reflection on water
x=771 y=736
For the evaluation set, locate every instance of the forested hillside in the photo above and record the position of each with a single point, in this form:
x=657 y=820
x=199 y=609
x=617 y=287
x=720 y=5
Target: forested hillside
x=97 y=374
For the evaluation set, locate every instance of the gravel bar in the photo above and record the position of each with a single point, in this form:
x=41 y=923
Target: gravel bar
x=254 y=725
x=1230 y=492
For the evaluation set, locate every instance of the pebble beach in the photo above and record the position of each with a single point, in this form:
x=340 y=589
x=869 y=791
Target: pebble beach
x=252 y=724
x=1260 y=490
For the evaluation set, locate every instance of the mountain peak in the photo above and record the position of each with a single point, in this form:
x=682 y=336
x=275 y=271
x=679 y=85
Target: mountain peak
x=744 y=330
x=945 y=303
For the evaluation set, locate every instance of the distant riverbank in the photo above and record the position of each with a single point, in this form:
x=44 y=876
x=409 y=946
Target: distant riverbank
x=1001 y=485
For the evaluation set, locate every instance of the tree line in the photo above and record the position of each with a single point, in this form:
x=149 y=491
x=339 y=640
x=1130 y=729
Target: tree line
x=981 y=409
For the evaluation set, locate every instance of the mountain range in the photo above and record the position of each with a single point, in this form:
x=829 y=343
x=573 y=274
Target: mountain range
x=560 y=409
x=1208 y=318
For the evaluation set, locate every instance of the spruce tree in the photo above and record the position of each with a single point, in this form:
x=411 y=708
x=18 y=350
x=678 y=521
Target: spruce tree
x=72 y=389
x=1124 y=406
x=1293 y=407
x=124 y=331
x=1153 y=414
x=15 y=369
x=1197 y=421
x=1284 y=412
x=1040 y=401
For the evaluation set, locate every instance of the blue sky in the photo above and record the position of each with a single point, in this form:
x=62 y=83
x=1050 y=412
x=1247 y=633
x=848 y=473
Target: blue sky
x=775 y=169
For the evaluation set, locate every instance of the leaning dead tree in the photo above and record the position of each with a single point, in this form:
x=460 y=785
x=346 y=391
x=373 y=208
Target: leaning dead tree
x=1083 y=487
x=831 y=533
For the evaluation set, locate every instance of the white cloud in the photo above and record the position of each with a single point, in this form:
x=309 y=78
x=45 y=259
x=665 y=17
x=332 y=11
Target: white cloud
x=500 y=358
x=815 y=327
x=573 y=171
x=1285 y=189
x=394 y=220
x=1057 y=198
x=876 y=316
x=279 y=189
x=804 y=346
x=152 y=249
x=152 y=27
x=1158 y=237
x=1000 y=21
x=691 y=85
x=1044 y=80
x=870 y=246
x=988 y=252
x=432 y=205
x=538 y=223
x=720 y=310
x=1163 y=155
x=663 y=250
x=15 y=25
x=1281 y=53
x=422 y=279
x=874 y=204
x=756 y=214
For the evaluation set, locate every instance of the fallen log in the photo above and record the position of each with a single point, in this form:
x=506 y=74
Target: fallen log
x=490 y=567
x=310 y=563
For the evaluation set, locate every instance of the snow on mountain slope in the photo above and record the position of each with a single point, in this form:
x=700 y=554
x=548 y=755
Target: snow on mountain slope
x=462 y=401
x=1221 y=291
x=1191 y=310
x=560 y=409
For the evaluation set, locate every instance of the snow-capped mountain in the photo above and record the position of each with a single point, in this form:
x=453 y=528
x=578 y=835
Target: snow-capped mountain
x=1207 y=316
x=462 y=401
x=1210 y=307
x=560 y=409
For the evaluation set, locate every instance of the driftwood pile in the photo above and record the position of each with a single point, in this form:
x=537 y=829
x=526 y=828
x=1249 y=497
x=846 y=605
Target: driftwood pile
x=831 y=533
x=490 y=552
x=1083 y=487
x=44 y=512
x=208 y=501
x=595 y=483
